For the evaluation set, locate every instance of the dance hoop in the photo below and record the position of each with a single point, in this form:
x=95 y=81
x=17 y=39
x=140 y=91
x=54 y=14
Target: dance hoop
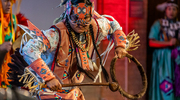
x=142 y=72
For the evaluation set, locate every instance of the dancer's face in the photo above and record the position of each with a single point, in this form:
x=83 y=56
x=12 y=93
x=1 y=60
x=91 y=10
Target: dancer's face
x=7 y=5
x=79 y=27
x=171 y=12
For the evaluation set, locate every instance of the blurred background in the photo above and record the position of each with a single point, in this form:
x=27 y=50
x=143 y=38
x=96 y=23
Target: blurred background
x=137 y=15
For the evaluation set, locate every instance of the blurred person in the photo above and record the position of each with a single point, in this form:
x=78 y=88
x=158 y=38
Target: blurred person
x=164 y=37
x=8 y=33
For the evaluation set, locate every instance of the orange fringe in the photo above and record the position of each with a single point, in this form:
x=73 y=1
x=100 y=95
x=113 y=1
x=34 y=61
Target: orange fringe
x=4 y=69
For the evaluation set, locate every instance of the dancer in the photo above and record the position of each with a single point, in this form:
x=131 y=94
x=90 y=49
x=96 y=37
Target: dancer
x=164 y=36
x=62 y=54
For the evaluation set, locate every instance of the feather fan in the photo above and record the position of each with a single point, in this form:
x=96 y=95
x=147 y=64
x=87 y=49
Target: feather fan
x=17 y=67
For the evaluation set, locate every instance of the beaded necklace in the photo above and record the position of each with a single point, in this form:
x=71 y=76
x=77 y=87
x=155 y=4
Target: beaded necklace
x=80 y=44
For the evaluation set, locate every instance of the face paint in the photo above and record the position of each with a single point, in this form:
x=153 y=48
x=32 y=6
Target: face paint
x=80 y=13
x=76 y=20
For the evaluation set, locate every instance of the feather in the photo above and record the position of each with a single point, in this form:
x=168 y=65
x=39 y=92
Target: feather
x=17 y=67
x=22 y=19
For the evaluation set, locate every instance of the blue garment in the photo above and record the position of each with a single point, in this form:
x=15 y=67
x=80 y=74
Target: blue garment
x=161 y=86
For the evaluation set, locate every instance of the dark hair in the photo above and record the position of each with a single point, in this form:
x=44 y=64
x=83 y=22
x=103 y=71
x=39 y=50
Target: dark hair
x=172 y=1
x=75 y=2
x=106 y=76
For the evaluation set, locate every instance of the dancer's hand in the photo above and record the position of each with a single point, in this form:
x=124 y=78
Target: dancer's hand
x=6 y=46
x=120 y=52
x=54 y=84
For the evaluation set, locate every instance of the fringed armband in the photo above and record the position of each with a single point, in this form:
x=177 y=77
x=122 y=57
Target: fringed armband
x=132 y=41
x=30 y=81
x=35 y=75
